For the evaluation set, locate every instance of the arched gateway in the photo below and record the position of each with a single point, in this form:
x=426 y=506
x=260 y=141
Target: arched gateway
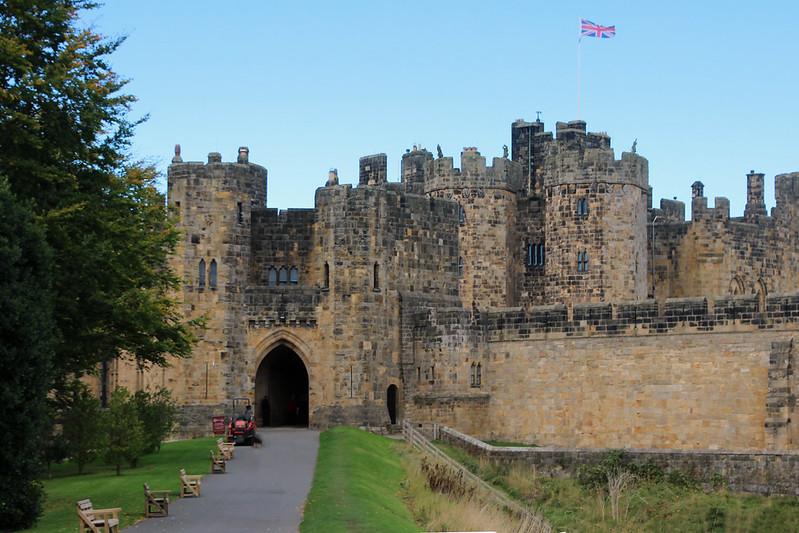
x=281 y=389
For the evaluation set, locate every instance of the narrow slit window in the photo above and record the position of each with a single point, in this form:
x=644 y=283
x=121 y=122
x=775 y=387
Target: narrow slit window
x=529 y=259
x=473 y=375
x=239 y=213
x=582 y=261
x=212 y=274
x=376 y=278
x=326 y=280
x=460 y=267
x=478 y=378
x=294 y=275
x=201 y=274
x=582 y=207
x=461 y=215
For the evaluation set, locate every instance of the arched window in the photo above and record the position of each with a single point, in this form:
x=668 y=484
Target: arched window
x=479 y=375
x=529 y=260
x=294 y=275
x=473 y=375
x=282 y=275
x=201 y=274
x=327 y=276
x=460 y=267
x=461 y=215
x=376 y=278
x=582 y=207
x=762 y=293
x=212 y=274
x=271 y=277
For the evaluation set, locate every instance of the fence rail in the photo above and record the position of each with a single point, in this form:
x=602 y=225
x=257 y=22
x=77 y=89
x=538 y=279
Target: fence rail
x=415 y=438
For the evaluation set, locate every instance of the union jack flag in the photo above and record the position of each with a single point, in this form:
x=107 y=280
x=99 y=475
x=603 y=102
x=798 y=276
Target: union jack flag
x=589 y=29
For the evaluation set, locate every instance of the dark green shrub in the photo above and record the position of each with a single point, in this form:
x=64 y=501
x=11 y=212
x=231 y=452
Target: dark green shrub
x=157 y=414
x=124 y=431
x=83 y=426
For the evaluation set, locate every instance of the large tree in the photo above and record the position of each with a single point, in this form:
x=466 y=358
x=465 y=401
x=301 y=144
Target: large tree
x=27 y=335
x=98 y=275
x=64 y=147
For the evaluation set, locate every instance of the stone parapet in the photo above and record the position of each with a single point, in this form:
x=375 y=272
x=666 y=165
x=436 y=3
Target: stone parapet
x=760 y=472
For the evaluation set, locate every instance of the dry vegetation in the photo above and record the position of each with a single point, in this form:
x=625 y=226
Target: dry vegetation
x=442 y=500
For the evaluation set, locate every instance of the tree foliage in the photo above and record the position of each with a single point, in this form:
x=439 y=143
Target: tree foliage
x=156 y=411
x=64 y=144
x=83 y=426
x=27 y=336
x=124 y=431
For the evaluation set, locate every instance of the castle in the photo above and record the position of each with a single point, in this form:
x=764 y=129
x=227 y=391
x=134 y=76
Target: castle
x=540 y=298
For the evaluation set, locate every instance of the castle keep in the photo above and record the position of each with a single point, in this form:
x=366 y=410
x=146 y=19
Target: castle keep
x=536 y=297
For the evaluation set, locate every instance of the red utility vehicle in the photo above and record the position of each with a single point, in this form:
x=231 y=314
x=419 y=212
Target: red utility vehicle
x=241 y=427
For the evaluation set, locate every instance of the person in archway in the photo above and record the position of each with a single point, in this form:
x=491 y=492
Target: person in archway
x=292 y=410
x=265 y=411
x=248 y=412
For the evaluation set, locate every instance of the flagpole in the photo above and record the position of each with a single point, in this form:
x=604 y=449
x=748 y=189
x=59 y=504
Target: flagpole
x=578 y=76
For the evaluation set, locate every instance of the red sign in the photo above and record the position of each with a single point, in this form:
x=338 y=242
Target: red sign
x=218 y=423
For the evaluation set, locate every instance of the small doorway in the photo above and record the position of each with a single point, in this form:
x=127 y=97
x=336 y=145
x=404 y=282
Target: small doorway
x=391 y=403
x=281 y=389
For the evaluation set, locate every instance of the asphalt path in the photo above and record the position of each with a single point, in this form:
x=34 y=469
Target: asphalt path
x=264 y=489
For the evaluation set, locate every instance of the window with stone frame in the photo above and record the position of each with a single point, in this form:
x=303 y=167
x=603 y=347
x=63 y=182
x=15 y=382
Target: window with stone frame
x=582 y=261
x=271 y=277
x=294 y=275
x=283 y=275
x=201 y=273
x=212 y=274
x=326 y=280
x=376 y=277
x=461 y=215
x=460 y=267
x=582 y=207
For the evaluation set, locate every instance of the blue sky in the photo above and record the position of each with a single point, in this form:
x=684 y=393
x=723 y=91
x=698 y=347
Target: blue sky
x=709 y=90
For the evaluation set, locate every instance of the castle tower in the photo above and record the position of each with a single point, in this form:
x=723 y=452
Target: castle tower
x=596 y=219
x=413 y=163
x=214 y=201
x=755 y=203
x=527 y=142
x=487 y=210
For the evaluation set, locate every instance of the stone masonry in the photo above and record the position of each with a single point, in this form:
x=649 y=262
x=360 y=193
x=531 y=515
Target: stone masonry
x=537 y=298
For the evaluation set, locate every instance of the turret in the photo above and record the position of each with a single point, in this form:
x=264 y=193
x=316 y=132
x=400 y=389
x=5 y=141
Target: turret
x=595 y=218
x=486 y=199
x=373 y=170
x=214 y=201
x=755 y=203
x=413 y=163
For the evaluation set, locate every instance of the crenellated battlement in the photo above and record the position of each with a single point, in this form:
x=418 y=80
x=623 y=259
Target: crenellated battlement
x=441 y=174
x=648 y=317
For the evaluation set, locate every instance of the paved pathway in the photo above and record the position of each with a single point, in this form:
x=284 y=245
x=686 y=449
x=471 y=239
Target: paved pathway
x=264 y=489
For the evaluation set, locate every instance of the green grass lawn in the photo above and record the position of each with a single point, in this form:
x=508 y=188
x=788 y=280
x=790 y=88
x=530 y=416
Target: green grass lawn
x=650 y=506
x=357 y=485
x=106 y=489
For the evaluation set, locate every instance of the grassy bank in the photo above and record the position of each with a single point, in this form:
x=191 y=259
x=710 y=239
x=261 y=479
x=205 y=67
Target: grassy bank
x=642 y=506
x=106 y=489
x=357 y=485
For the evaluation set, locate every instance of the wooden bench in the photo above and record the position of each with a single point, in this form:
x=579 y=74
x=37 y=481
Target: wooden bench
x=190 y=484
x=97 y=520
x=217 y=463
x=226 y=449
x=156 y=502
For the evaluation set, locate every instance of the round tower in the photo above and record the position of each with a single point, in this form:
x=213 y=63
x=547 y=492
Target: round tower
x=487 y=210
x=596 y=219
x=214 y=201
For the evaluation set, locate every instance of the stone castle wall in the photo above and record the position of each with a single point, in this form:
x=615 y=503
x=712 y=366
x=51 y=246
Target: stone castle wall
x=427 y=285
